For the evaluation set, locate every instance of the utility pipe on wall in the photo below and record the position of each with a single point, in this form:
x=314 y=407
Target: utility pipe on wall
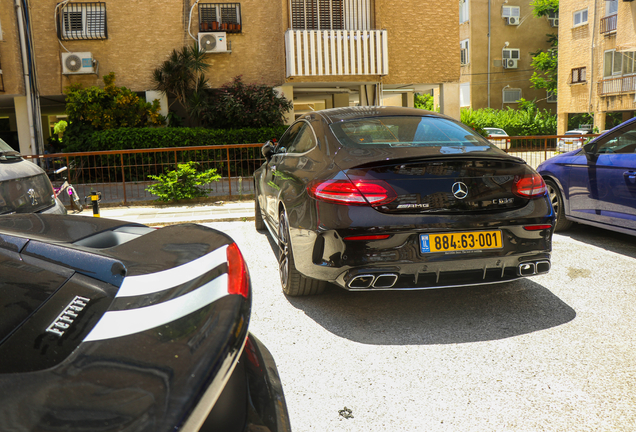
x=489 y=53
x=28 y=68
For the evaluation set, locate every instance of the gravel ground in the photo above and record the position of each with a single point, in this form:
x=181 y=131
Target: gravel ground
x=549 y=353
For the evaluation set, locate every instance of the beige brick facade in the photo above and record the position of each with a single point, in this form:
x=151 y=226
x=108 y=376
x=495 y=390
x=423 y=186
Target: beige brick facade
x=422 y=50
x=527 y=34
x=608 y=87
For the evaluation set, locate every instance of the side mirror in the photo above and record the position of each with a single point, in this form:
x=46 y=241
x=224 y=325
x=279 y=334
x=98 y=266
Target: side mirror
x=590 y=151
x=268 y=150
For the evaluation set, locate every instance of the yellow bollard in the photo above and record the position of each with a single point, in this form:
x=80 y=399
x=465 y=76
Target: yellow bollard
x=95 y=199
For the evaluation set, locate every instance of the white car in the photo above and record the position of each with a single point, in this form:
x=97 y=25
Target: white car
x=498 y=137
x=567 y=144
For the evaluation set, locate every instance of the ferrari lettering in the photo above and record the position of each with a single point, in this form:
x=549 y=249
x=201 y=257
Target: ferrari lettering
x=68 y=316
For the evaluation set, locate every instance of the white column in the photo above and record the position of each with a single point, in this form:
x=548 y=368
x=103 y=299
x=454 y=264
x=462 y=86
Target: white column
x=449 y=100
x=287 y=91
x=22 y=123
x=151 y=95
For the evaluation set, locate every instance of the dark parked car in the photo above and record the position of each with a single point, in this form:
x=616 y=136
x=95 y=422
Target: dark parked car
x=112 y=326
x=596 y=184
x=24 y=187
x=398 y=198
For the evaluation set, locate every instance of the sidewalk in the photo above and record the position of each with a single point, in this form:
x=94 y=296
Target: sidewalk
x=163 y=215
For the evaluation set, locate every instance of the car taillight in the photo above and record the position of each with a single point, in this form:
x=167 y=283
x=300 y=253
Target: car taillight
x=537 y=227
x=529 y=186
x=238 y=276
x=358 y=192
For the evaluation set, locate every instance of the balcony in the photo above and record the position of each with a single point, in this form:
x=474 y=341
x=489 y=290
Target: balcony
x=620 y=85
x=336 y=52
x=608 y=24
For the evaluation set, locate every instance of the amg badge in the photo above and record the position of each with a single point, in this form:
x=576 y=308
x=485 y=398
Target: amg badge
x=405 y=206
x=68 y=315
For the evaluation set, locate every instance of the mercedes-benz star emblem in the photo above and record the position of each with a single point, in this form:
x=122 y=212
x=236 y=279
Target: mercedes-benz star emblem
x=460 y=190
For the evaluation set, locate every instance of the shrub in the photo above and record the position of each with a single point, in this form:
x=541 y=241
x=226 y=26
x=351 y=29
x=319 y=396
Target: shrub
x=183 y=183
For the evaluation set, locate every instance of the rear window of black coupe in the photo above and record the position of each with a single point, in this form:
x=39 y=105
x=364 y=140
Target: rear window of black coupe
x=406 y=131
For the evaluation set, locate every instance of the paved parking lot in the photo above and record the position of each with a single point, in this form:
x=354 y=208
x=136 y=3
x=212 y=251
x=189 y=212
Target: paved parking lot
x=550 y=353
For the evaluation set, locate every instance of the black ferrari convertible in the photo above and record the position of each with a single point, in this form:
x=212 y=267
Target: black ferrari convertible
x=112 y=326
x=374 y=198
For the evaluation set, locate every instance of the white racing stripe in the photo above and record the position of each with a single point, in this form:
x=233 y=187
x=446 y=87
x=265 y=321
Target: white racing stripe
x=126 y=322
x=166 y=279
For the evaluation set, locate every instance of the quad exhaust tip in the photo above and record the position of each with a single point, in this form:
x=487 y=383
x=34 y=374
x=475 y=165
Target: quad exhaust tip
x=367 y=281
x=534 y=268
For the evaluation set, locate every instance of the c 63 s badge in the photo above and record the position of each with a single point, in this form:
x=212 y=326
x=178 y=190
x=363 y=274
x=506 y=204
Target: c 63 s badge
x=68 y=316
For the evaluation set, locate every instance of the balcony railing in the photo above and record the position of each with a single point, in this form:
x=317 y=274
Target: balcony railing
x=626 y=84
x=608 y=24
x=336 y=52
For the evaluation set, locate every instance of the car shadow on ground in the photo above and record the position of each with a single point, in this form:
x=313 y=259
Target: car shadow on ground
x=441 y=316
x=612 y=241
x=438 y=316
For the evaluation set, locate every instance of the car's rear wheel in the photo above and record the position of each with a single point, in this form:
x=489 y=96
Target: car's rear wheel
x=259 y=223
x=294 y=283
x=561 y=223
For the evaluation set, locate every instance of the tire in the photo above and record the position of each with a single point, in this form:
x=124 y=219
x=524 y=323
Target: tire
x=75 y=201
x=259 y=223
x=294 y=283
x=561 y=223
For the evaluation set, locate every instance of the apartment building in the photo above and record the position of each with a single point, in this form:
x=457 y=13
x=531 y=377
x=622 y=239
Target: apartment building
x=597 y=52
x=318 y=53
x=497 y=38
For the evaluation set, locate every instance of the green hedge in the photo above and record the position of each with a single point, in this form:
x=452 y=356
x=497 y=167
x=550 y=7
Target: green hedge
x=515 y=122
x=144 y=138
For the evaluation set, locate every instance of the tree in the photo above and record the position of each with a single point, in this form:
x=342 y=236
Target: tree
x=234 y=105
x=238 y=105
x=182 y=76
x=545 y=63
x=93 y=108
x=544 y=7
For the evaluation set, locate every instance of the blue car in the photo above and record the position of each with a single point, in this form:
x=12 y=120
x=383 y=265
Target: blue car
x=596 y=184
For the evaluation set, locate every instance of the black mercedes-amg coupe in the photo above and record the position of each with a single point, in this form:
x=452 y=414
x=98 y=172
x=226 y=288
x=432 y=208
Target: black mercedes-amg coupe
x=373 y=198
x=112 y=326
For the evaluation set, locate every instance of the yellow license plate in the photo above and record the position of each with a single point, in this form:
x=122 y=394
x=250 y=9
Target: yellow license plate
x=464 y=241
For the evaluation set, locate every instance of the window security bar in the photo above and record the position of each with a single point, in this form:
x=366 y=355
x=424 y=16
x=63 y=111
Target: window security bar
x=220 y=17
x=82 y=21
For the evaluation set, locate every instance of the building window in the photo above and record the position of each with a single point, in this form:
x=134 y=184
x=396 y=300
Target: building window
x=82 y=21
x=616 y=63
x=551 y=97
x=580 y=17
x=220 y=16
x=578 y=75
x=463 y=11
x=511 y=14
x=611 y=7
x=318 y=14
x=464 y=54
x=553 y=19
x=511 y=95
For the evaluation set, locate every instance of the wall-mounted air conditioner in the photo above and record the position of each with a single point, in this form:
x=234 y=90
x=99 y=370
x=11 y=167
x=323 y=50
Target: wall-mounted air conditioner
x=213 y=42
x=511 y=15
x=512 y=21
x=78 y=63
x=510 y=63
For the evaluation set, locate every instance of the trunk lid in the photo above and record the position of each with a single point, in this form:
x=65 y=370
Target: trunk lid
x=451 y=185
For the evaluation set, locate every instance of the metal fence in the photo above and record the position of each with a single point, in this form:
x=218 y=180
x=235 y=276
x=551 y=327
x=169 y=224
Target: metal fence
x=122 y=175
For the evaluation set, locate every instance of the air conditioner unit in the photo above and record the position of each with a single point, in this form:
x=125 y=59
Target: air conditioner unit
x=510 y=63
x=213 y=42
x=78 y=63
x=513 y=20
x=554 y=22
